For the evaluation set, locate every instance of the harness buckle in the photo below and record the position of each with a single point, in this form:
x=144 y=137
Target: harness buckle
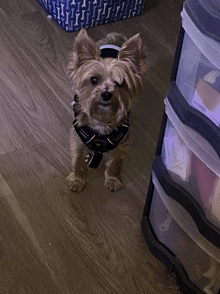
x=95 y=159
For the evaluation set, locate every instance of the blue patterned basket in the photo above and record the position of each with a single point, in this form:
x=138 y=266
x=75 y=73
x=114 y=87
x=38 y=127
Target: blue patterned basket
x=72 y=15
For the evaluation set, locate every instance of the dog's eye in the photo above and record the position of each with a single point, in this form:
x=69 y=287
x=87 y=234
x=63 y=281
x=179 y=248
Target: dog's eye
x=119 y=85
x=94 y=80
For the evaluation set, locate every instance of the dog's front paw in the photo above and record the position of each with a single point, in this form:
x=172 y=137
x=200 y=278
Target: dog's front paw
x=76 y=184
x=114 y=184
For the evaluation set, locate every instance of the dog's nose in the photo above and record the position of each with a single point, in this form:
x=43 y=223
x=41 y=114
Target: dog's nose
x=106 y=96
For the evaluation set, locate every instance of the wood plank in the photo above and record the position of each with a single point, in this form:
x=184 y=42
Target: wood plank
x=72 y=234
x=34 y=85
x=52 y=240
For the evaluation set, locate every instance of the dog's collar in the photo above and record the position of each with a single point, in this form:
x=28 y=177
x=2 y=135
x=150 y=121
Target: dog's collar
x=97 y=142
x=109 y=51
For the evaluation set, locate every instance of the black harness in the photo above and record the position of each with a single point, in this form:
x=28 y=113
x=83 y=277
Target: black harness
x=95 y=141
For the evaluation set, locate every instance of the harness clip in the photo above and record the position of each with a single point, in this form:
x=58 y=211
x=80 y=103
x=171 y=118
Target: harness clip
x=95 y=159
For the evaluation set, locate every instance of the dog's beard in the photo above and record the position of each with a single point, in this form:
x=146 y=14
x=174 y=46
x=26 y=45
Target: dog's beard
x=105 y=113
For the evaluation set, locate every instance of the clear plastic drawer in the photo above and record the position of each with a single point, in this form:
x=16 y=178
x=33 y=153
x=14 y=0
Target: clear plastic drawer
x=198 y=75
x=175 y=228
x=186 y=169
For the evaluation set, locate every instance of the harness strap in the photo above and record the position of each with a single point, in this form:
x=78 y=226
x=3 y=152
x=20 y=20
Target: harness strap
x=98 y=142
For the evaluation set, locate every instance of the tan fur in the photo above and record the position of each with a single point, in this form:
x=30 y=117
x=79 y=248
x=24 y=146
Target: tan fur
x=122 y=77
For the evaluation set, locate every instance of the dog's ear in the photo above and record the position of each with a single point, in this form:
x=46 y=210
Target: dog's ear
x=132 y=53
x=84 y=48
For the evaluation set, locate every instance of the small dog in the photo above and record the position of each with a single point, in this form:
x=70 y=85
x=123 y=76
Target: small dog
x=106 y=80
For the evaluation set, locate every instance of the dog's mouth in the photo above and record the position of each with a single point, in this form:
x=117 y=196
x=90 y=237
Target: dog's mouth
x=105 y=103
x=106 y=112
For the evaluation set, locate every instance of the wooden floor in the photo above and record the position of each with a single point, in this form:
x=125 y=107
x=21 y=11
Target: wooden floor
x=53 y=240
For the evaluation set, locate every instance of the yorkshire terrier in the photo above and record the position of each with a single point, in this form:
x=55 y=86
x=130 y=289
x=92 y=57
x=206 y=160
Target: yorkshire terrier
x=106 y=79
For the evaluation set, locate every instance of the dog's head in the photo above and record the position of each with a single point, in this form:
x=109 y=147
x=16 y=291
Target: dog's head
x=106 y=86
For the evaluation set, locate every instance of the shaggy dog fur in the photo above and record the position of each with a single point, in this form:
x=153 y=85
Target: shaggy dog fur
x=105 y=89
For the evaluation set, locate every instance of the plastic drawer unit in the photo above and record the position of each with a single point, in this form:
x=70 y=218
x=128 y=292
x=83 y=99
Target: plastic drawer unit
x=181 y=218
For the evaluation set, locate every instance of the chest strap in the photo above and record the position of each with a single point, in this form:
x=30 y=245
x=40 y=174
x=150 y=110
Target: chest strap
x=98 y=142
